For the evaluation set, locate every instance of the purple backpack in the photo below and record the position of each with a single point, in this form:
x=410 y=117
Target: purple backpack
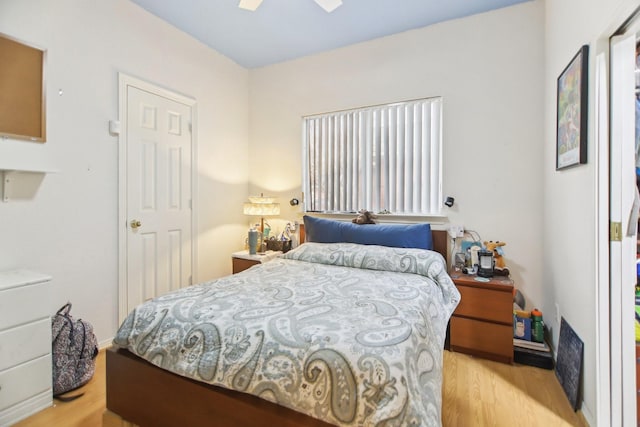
x=74 y=351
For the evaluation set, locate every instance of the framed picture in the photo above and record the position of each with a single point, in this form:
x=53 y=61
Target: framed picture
x=569 y=363
x=22 y=103
x=571 y=141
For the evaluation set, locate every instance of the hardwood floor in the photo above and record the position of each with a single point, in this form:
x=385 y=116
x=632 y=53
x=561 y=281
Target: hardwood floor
x=476 y=392
x=86 y=411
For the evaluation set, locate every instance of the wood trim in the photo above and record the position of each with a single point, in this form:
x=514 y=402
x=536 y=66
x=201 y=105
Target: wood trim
x=240 y=264
x=439 y=238
x=496 y=283
x=139 y=391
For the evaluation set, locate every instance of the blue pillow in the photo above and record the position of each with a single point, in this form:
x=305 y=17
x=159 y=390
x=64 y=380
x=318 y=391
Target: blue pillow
x=321 y=230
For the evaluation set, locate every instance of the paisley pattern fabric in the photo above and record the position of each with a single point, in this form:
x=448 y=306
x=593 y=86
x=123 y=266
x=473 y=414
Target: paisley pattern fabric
x=350 y=334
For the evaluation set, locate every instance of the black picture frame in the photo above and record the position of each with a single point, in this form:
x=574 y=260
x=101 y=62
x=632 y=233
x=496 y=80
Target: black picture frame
x=572 y=111
x=569 y=363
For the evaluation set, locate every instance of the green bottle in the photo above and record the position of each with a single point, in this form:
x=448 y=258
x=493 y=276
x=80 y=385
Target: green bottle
x=537 y=326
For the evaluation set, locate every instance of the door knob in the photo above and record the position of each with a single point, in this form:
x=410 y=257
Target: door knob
x=135 y=224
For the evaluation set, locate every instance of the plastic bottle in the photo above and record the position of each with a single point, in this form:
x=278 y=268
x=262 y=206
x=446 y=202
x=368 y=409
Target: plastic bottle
x=253 y=240
x=537 y=326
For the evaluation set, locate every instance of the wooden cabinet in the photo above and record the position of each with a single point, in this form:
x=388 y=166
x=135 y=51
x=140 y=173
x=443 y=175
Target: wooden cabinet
x=482 y=324
x=242 y=260
x=25 y=345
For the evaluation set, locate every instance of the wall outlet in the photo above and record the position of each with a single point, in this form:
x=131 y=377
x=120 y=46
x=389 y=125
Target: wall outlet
x=455 y=230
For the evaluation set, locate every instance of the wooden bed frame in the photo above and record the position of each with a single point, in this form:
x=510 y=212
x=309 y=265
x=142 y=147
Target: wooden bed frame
x=139 y=393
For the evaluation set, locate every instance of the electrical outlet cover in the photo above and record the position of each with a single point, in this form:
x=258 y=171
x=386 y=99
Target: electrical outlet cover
x=455 y=230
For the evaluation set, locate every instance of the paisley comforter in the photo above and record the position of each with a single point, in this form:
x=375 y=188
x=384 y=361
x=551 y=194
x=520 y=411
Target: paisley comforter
x=347 y=333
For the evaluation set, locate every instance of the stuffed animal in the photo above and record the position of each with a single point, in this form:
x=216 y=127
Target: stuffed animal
x=500 y=269
x=364 y=217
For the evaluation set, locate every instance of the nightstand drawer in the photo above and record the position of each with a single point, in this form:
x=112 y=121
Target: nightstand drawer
x=242 y=260
x=25 y=343
x=475 y=336
x=240 y=264
x=485 y=304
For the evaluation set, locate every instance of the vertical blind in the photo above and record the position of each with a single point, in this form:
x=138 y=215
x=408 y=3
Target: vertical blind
x=384 y=159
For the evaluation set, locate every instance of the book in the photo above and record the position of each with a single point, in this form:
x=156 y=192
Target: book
x=540 y=346
x=537 y=358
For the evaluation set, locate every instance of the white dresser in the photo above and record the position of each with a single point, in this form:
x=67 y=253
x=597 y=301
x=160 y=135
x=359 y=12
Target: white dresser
x=25 y=344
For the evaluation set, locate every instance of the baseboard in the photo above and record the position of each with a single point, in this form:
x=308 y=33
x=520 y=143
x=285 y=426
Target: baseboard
x=105 y=343
x=26 y=408
x=586 y=415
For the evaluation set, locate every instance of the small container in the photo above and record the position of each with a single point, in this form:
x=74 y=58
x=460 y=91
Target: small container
x=278 y=245
x=522 y=325
x=253 y=241
x=537 y=326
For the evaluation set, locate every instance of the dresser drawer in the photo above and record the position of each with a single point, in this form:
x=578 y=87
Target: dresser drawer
x=24 y=343
x=486 y=304
x=474 y=336
x=24 y=304
x=24 y=381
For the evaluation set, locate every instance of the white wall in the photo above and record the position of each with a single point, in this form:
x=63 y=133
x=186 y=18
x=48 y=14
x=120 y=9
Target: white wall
x=69 y=228
x=570 y=195
x=489 y=69
x=496 y=72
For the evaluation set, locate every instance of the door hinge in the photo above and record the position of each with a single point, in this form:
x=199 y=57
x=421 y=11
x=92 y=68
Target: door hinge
x=190 y=280
x=615 y=231
x=190 y=127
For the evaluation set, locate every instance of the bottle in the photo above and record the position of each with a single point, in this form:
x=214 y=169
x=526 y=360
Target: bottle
x=537 y=326
x=253 y=240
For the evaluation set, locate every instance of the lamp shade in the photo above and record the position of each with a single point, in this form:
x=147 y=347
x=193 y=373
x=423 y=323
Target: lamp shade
x=261 y=206
x=262 y=209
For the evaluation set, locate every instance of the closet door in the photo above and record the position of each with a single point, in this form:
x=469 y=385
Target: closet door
x=622 y=193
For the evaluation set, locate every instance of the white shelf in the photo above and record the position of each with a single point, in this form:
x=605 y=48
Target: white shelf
x=26 y=170
x=7 y=178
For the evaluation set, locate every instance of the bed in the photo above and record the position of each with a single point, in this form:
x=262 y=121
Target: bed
x=331 y=333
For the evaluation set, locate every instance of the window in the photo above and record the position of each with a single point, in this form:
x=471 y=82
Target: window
x=386 y=159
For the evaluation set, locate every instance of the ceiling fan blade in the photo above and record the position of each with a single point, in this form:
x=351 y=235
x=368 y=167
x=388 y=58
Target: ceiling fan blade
x=329 y=5
x=251 y=5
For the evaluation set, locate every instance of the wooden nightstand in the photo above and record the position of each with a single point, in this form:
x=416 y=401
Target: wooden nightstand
x=482 y=324
x=242 y=260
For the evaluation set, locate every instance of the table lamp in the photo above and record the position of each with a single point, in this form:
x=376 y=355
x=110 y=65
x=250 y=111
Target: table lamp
x=261 y=206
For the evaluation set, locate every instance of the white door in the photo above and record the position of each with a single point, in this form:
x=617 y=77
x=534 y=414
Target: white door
x=623 y=252
x=157 y=215
x=603 y=320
